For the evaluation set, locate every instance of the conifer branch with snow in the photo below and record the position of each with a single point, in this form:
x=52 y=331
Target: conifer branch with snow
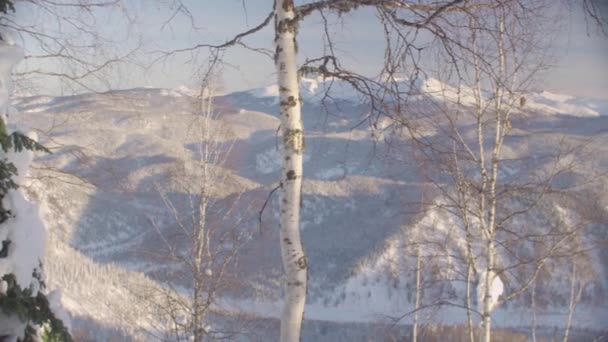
x=26 y=312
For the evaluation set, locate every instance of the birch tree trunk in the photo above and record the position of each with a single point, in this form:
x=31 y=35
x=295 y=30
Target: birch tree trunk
x=487 y=297
x=468 y=303
x=418 y=295
x=533 y=303
x=575 y=297
x=294 y=258
x=571 y=302
x=500 y=117
x=486 y=227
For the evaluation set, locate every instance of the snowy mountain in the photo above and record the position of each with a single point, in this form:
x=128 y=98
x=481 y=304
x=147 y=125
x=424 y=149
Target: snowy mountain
x=99 y=191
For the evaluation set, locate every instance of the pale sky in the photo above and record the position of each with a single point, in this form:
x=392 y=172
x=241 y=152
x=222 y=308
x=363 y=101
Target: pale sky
x=581 y=70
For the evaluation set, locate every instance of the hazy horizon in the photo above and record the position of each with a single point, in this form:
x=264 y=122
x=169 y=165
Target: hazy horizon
x=580 y=51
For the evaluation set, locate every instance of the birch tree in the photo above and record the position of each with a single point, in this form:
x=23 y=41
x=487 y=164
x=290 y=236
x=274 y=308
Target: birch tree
x=201 y=241
x=493 y=61
x=402 y=21
x=287 y=17
x=292 y=251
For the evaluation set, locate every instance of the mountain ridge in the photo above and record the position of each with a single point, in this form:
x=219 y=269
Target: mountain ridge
x=120 y=145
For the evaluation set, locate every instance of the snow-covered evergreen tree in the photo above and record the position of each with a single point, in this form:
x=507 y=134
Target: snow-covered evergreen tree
x=26 y=312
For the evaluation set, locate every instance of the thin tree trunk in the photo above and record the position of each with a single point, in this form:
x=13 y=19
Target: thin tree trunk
x=463 y=208
x=294 y=258
x=575 y=297
x=486 y=227
x=468 y=301
x=200 y=234
x=418 y=295
x=487 y=298
x=196 y=322
x=533 y=299
x=492 y=209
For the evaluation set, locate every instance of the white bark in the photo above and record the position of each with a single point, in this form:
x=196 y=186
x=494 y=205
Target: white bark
x=468 y=302
x=571 y=302
x=575 y=297
x=487 y=296
x=533 y=303
x=500 y=114
x=418 y=295
x=485 y=281
x=294 y=258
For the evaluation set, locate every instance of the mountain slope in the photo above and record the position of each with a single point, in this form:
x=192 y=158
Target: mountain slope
x=360 y=205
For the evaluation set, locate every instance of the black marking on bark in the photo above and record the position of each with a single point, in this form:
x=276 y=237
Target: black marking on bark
x=294 y=138
x=276 y=28
x=290 y=102
x=288 y=5
x=4 y=251
x=302 y=264
x=276 y=54
x=291 y=175
x=285 y=26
